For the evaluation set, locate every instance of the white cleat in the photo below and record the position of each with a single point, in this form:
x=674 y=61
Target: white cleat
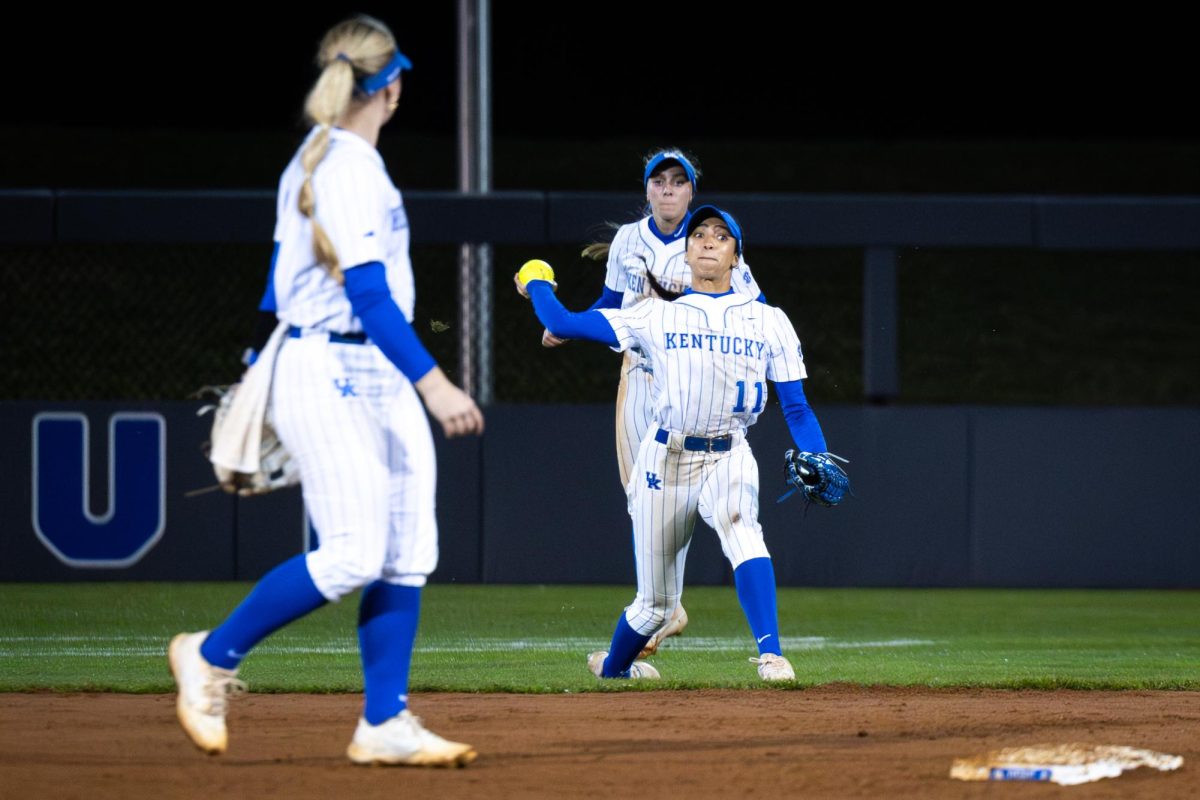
x=673 y=627
x=638 y=670
x=774 y=668
x=403 y=740
x=203 y=692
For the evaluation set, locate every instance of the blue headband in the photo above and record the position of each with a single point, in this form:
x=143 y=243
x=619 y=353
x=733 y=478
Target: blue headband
x=655 y=163
x=389 y=73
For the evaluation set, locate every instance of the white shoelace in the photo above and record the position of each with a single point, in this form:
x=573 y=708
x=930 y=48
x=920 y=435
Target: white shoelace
x=219 y=688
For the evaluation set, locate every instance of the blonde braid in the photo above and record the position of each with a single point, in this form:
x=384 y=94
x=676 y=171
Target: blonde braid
x=359 y=44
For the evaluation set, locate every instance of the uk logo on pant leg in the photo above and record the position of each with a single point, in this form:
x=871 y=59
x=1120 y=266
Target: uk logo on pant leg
x=653 y=481
x=346 y=387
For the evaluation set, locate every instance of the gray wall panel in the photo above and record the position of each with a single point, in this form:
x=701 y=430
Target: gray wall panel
x=906 y=523
x=1119 y=223
x=270 y=529
x=1086 y=497
x=459 y=507
x=553 y=508
x=943 y=496
x=165 y=217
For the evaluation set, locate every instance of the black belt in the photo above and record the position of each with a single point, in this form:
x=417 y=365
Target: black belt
x=338 y=338
x=717 y=444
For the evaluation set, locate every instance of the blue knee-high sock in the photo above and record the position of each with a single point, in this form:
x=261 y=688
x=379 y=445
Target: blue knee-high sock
x=284 y=594
x=755 y=581
x=387 y=628
x=626 y=644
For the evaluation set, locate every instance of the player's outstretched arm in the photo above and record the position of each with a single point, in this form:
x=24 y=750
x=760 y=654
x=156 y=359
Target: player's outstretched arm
x=590 y=325
x=609 y=299
x=535 y=281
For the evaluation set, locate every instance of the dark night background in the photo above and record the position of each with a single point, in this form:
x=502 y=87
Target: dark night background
x=806 y=100
x=211 y=95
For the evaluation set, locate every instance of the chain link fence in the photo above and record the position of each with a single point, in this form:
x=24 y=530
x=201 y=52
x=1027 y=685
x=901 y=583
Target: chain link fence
x=157 y=322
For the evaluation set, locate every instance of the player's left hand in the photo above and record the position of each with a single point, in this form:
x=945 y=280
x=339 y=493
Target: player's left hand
x=533 y=270
x=822 y=479
x=550 y=340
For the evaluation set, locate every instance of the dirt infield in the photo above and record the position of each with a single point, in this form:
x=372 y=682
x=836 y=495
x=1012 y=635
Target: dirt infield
x=829 y=742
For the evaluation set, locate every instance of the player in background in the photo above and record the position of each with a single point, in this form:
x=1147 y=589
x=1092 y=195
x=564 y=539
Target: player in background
x=346 y=401
x=646 y=259
x=711 y=351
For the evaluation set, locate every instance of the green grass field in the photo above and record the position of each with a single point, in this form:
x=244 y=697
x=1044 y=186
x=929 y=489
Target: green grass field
x=113 y=637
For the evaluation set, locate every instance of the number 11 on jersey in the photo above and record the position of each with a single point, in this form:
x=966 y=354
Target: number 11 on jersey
x=740 y=405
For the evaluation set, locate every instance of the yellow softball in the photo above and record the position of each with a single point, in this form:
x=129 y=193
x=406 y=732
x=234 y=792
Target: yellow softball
x=535 y=270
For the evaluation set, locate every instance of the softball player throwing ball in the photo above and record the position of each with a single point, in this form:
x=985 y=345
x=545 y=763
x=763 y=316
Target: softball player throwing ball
x=712 y=351
x=346 y=401
x=646 y=257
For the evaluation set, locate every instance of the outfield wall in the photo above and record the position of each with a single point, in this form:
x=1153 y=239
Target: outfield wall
x=943 y=496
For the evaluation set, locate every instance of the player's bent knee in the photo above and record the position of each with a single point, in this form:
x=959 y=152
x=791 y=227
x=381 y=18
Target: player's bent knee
x=744 y=543
x=646 y=618
x=337 y=577
x=747 y=555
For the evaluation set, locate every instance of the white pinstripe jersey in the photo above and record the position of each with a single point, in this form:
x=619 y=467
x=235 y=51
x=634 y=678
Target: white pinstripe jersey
x=636 y=250
x=362 y=212
x=711 y=357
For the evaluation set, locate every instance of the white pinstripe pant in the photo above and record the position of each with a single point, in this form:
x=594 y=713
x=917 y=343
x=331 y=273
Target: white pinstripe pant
x=359 y=434
x=635 y=411
x=668 y=488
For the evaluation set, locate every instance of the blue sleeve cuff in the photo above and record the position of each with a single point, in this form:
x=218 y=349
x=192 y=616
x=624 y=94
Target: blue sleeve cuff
x=383 y=322
x=590 y=325
x=802 y=422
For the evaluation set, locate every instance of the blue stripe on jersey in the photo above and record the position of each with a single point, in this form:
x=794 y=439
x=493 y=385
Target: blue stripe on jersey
x=609 y=299
x=690 y=290
x=268 y=299
x=667 y=238
x=802 y=422
x=384 y=323
x=590 y=325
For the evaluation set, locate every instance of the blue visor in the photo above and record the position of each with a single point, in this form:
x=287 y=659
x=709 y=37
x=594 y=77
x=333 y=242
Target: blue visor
x=704 y=213
x=389 y=73
x=655 y=166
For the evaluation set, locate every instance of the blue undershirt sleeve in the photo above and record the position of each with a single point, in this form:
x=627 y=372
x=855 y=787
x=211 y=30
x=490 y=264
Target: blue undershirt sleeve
x=266 y=320
x=802 y=422
x=383 y=322
x=590 y=325
x=609 y=299
x=762 y=298
x=267 y=303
